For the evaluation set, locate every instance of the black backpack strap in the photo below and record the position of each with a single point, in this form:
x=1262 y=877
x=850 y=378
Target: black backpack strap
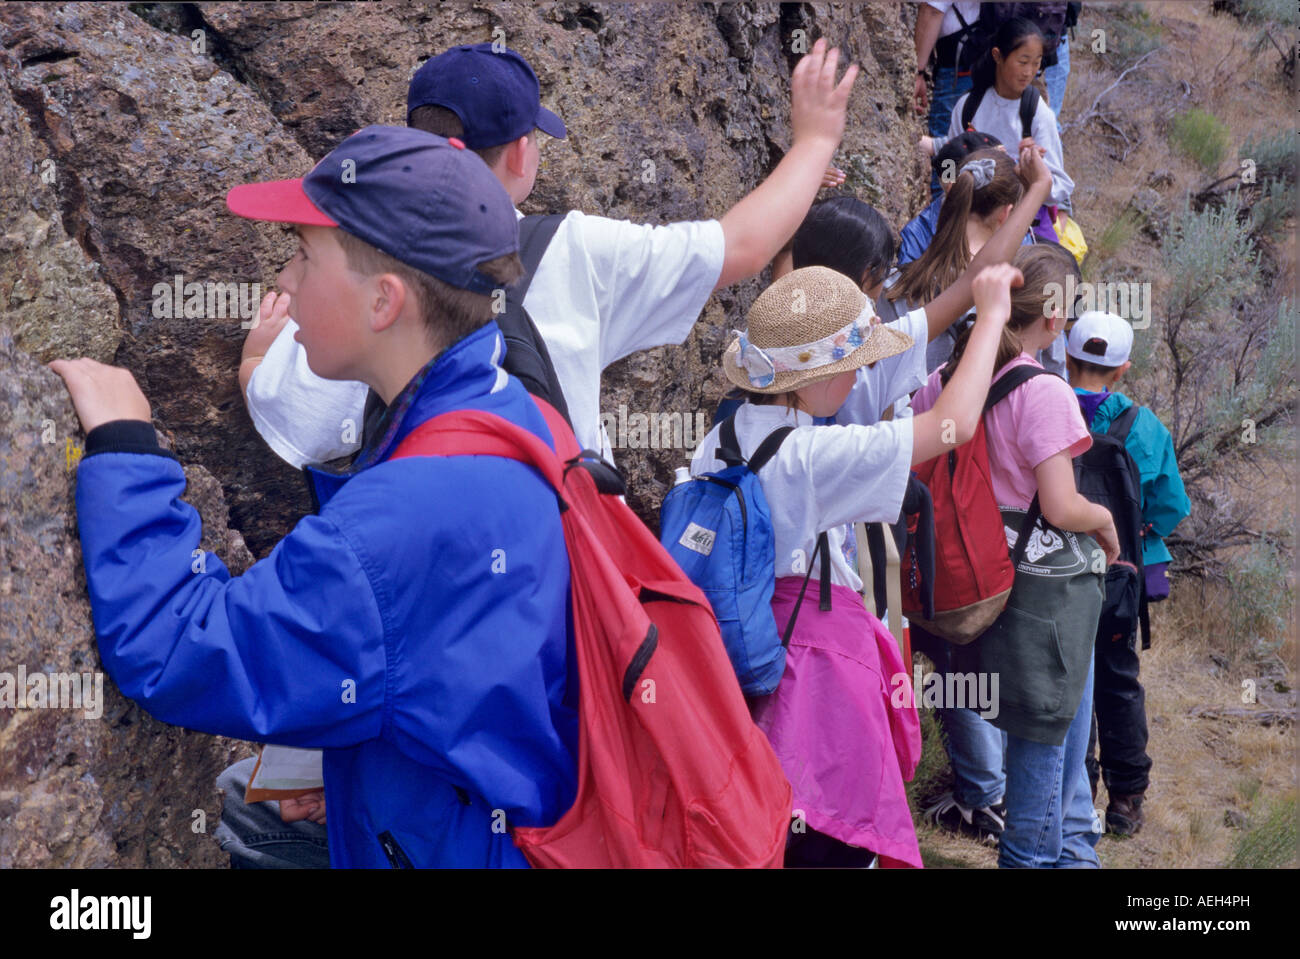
x=997 y=393
x=372 y=419
x=767 y=449
x=527 y=357
x=917 y=499
x=729 y=452
x=1028 y=107
x=1009 y=381
x=1119 y=428
x=1120 y=425
x=824 y=557
x=879 y=563
x=535 y=235
x=822 y=549
x=1072 y=16
x=1026 y=527
x=972 y=104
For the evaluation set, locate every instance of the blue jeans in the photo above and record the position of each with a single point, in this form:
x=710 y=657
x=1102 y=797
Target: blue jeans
x=255 y=835
x=948 y=88
x=975 y=746
x=1055 y=77
x=975 y=750
x=1050 y=820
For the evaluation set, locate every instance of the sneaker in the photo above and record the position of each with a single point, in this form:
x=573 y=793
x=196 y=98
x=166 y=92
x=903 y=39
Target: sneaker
x=984 y=824
x=1124 y=814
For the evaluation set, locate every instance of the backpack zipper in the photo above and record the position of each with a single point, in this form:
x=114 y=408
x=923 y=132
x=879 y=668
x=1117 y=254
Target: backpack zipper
x=397 y=857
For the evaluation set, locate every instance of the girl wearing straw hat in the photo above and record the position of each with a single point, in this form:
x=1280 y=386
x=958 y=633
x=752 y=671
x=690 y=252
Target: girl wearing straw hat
x=845 y=749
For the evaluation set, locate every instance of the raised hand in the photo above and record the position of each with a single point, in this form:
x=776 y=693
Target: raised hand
x=991 y=290
x=1033 y=168
x=818 y=105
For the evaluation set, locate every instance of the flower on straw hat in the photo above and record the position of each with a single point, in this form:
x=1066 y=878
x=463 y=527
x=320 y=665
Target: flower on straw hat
x=808 y=326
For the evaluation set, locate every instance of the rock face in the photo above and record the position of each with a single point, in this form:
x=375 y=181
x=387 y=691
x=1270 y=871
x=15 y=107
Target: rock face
x=673 y=113
x=106 y=784
x=51 y=292
x=124 y=126
x=146 y=137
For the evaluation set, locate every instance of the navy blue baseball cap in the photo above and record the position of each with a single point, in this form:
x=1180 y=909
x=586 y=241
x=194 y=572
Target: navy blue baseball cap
x=495 y=95
x=420 y=198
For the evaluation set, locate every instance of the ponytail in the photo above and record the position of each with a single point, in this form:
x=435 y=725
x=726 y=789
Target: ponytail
x=983 y=74
x=1009 y=347
x=1043 y=266
x=948 y=254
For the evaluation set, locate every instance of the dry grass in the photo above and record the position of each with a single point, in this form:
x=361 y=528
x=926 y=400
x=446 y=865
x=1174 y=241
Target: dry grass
x=1207 y=772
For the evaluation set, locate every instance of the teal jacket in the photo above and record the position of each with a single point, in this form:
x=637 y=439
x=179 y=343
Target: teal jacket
x=1164 y=500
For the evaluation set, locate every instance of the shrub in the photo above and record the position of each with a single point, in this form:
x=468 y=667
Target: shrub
x=1260 y=598
x=1273 y=842
x=1274 y=156
x=1116 y=235
x=1272 y=201
x=1225 y=384
x=1201 y=136
x=1131 y=33
x=1271 y=11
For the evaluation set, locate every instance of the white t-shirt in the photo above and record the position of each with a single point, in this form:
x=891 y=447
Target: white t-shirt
x=999 y=117
x=821 y=478
x=603 y=290
x=970 y=9
x=889 y=380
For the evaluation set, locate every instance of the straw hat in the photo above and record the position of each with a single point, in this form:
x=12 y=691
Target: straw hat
x=806 y=327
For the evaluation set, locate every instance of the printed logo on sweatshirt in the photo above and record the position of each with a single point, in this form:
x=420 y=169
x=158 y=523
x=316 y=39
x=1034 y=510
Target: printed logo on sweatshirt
x=1041 y=542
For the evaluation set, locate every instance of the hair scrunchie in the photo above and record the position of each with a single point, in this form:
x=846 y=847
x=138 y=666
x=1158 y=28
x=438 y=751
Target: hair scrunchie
x=982 y=171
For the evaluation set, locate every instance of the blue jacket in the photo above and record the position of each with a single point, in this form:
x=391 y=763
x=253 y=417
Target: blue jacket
x=415 y=628
x=1164 y=499
x=919 y=231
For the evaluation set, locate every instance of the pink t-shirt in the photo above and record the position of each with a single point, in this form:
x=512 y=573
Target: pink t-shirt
x=1035 y=422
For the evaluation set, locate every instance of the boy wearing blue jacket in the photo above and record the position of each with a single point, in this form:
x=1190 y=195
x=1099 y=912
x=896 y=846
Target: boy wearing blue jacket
x=414 y=628
x=1097 y=356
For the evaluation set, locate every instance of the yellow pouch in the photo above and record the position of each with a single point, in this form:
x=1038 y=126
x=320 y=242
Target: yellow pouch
x=1071 y=237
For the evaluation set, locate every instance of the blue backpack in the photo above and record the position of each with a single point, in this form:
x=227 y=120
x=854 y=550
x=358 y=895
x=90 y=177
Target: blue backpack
x=718 y=529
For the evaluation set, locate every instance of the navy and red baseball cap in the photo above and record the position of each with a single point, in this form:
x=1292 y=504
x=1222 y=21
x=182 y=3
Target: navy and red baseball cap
x=422 y=199
x=495 y=95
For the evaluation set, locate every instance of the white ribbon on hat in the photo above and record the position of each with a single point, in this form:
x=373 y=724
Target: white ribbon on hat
x=762 y=364
x=982 y=170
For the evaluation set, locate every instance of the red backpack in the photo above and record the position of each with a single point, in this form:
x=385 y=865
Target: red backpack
x=973 y=570
x=672 y=770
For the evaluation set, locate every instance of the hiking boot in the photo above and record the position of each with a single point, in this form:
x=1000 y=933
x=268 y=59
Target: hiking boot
x=984 y=824
x=1124 y=814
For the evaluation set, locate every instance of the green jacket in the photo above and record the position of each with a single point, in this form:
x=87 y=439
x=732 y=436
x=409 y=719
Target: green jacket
x=1164 y=499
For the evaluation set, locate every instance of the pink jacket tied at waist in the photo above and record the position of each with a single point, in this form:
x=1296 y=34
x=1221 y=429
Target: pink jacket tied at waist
x=845 y=749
